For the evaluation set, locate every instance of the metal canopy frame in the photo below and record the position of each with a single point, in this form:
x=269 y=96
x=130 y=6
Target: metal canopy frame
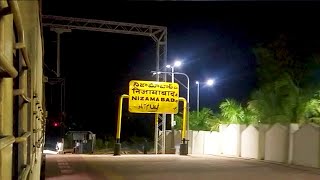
x=157 y=33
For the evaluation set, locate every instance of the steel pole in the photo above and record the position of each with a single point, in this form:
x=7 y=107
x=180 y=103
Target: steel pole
x=198 y=104
x=117 y=145
x=156 y=119
x=58 y=54
x=172 y=115
x=184 y=144
x=59 y=31
x=188 y=105
x=156 y=128
x=188 y=93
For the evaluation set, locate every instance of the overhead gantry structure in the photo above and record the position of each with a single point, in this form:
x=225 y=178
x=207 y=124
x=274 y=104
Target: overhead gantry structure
x=62 y=24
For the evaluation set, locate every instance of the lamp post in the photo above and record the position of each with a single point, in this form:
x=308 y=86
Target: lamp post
x=198 y=88
x=188 y=91
x=209 y=82
x=177 y=63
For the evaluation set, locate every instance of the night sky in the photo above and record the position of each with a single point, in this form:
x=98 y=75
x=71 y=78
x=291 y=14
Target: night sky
x=214 y=39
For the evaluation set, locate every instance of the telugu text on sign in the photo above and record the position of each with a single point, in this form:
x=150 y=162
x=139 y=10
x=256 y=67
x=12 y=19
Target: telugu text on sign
x=153 y=97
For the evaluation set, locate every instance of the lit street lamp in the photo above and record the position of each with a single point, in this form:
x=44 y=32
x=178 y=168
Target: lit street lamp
x=210 y=82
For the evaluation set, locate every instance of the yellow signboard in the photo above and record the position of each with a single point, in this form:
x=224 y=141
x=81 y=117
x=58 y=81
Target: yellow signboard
x=153 y=97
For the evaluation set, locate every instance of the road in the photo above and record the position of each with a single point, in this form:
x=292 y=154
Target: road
x=169 y=167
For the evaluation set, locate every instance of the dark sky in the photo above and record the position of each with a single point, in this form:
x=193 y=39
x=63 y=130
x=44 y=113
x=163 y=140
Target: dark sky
x=214 y=39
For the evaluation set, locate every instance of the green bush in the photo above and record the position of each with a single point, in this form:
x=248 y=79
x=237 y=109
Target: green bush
x=100 y=144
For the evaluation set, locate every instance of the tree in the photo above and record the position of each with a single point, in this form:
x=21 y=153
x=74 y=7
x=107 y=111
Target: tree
x=233 y=112
x=267 y=107
x=285 y=75
x=217 y=121
x=276 y=58
x=282 y=101
x=203 y=121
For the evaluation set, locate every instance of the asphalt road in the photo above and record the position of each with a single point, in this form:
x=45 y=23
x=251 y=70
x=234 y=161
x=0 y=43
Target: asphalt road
x=169 y=167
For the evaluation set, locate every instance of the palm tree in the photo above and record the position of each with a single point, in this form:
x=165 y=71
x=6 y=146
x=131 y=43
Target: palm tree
x=203 y=121
x=233 y=111
x=276 y=101
x=216 y=121
x=308 y=107
x=282 y=101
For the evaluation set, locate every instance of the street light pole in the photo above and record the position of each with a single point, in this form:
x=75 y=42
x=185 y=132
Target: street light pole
x=188 y=105
x=172 y=115
x=209 y=82
x=177 y=63
x=198 y=103
x=188 y=94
